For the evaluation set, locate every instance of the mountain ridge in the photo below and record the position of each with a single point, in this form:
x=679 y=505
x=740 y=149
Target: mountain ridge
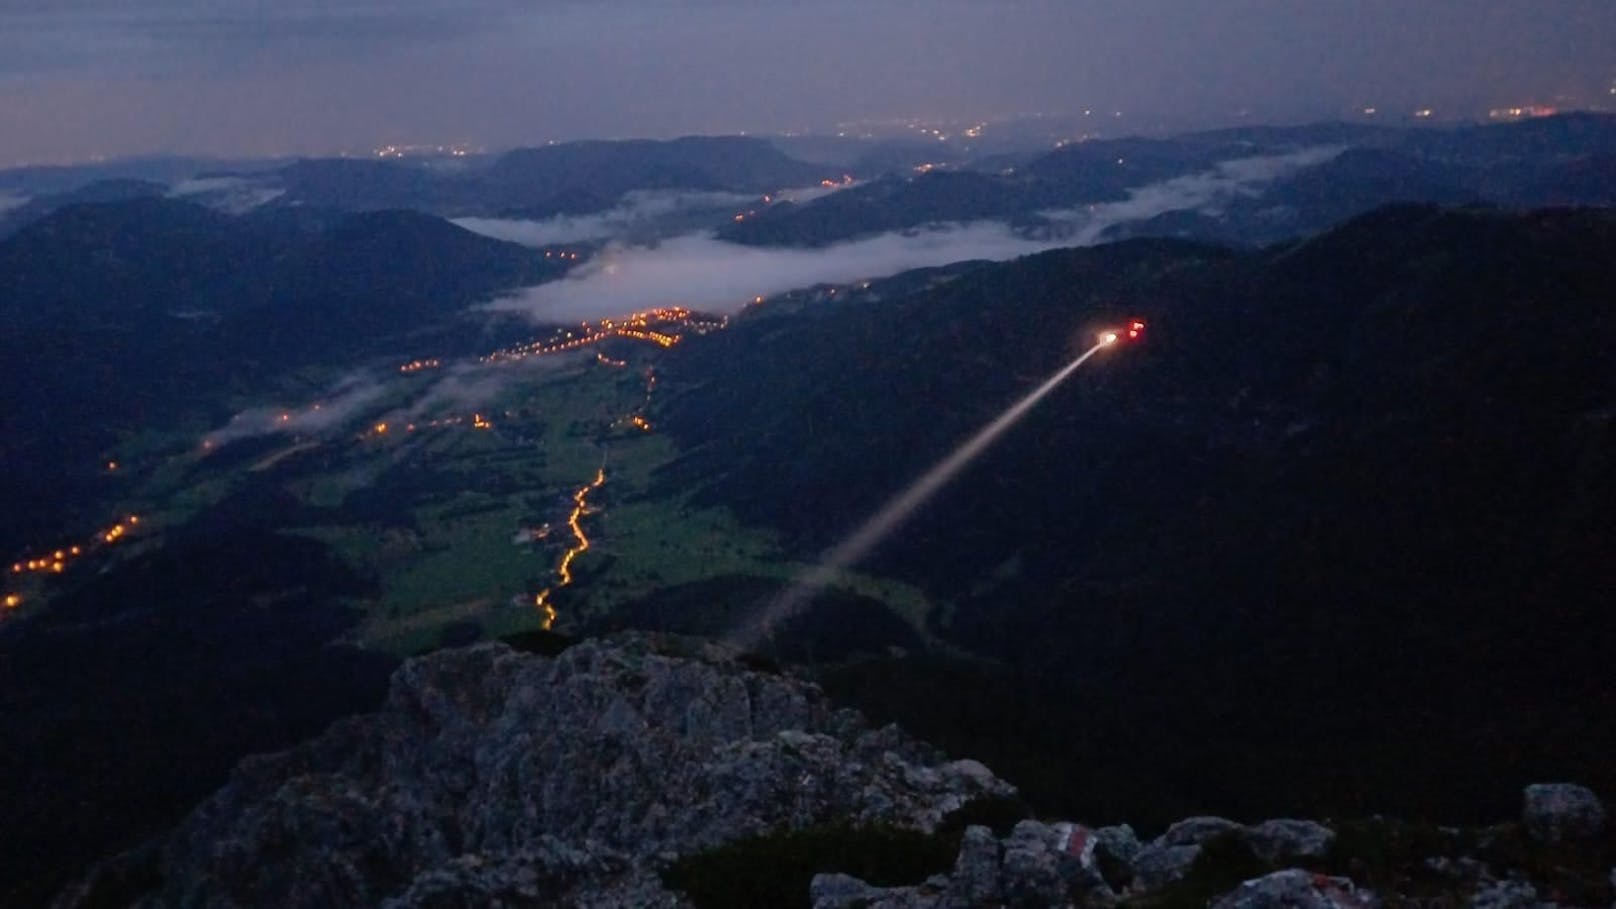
x=644 y=770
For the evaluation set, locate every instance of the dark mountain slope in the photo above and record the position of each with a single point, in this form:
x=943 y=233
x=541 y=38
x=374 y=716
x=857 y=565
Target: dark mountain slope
x=1103 y=170
x=115 y=261
x=1084 y=174
x=117 y=316
x=116 y=190
x=135 y=694
x=366 y=185
x=1546 y=161
x=1336 y=527
x=888 y=204
x=613 y=168
x=1568 y=135
x=1357 y=181
x=569 y=178
x=371 y=277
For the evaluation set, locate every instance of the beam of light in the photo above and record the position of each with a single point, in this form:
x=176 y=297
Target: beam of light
x=897 y=510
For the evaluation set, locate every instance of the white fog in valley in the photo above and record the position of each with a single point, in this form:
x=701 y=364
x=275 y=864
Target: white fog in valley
x=368 y=396
x=232 y=195
x=342 y=403
x=635 y=211
x=1204 y=192
x=701 y=271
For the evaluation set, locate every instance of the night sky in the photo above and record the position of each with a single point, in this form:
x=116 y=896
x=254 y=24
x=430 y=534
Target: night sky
x=84 y=78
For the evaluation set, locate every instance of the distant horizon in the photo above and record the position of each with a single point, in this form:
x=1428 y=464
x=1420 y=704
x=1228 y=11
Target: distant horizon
x=428 y=147
x=88 y=80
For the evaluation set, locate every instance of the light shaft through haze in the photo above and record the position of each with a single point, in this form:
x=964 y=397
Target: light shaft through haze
x=891 y=515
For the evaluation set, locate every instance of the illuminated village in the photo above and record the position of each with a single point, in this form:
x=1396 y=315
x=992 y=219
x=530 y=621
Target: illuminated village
x=663 y=327
x=29 y=572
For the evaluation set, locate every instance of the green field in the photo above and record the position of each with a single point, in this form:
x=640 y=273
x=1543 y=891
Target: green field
x=432 y=512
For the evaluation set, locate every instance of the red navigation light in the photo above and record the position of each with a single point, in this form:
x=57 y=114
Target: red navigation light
x=1134 y=331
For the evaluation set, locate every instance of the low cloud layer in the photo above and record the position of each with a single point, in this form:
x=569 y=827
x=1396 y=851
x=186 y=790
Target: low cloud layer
x=1203 y=192
x=464 y=388
x=361 y=399
x=233 y=195
x=8 y=202
x=636 y=211
x=335 y=410
x=703 y=272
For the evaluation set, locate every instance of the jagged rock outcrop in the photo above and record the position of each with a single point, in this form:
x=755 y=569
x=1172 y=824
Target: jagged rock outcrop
x=1556 y=812
x=493 y=777
x=1170 y=856
x=1197 y=830
x=1286 y=840
x=1507 y=894
x=978 y=877
x=1159 y=864
x=1066 y=864
x=834 y=891
x=1275 y=864
x=1038 y=865
x=1294 y=888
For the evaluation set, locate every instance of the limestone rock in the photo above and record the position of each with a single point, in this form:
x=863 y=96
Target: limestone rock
x=495 y=777
x=840 y=891
x=1114 y=851
x=1032 y=867
x=1158 y=864
x=976 y=880
x=1119 y=842
x=1556 y=812
x=1197 y=830
x=1284 y=840
x=1508 y=895
x=1296 y=889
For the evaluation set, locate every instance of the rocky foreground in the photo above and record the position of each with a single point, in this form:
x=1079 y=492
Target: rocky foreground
x=1201 y=860
x=623 y=772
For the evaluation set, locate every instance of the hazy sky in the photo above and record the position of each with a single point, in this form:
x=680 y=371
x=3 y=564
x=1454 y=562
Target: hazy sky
x=80 y=78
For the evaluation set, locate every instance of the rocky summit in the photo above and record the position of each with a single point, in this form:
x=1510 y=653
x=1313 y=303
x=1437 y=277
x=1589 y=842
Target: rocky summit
x=1277 y=864
x=650 y=771
x=495 y=777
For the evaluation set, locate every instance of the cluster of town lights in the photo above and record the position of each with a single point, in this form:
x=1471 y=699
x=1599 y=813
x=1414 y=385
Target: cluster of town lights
x=478 y=421
x=57 y=561
x=652 y=325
